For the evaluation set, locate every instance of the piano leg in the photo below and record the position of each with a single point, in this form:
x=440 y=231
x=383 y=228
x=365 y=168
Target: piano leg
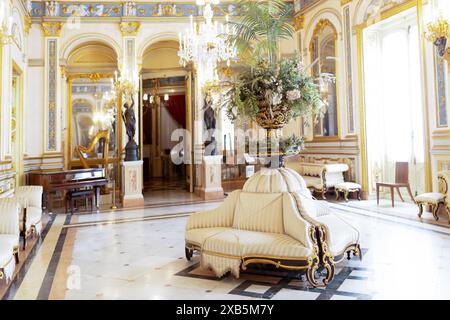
x=49 y=202
x=97 y=197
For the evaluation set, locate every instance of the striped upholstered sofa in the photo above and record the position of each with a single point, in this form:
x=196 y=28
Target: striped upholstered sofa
x=273 y=220
x=319 y=177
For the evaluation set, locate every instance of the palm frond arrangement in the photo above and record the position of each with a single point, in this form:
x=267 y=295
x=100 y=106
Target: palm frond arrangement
x=261 y=26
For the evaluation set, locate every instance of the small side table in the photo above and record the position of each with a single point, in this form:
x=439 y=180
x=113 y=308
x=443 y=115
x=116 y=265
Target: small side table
x=346 y=188
x=433 y=199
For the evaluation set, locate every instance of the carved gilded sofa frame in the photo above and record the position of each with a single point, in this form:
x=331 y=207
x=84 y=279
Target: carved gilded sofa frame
x=326 y=238
x=309 y=264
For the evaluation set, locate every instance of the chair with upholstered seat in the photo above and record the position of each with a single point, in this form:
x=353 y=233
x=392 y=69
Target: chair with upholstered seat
x=401 y=181
x=9 y=237
x=31 y=216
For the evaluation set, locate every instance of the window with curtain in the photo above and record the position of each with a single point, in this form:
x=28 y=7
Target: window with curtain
x=393 y=101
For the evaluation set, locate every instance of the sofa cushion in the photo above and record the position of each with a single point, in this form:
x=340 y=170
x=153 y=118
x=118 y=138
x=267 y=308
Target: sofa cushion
x=243 y=243
x=310 y=207
x=313 y=182
x=430 y=197
x=9 y=240
x=274 y=181
x=259 y=212
x=198 y=236
x=6 y=252
x=340 y=233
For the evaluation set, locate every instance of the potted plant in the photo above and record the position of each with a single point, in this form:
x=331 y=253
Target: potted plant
x=271 y=91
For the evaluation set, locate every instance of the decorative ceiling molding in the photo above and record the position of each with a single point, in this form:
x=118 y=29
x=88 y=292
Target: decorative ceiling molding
x=128 y=9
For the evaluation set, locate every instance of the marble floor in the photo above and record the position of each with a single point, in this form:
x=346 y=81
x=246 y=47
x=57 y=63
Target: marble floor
x=139 y=254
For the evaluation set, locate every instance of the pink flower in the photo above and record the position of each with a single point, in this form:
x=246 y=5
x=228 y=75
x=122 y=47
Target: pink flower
x=292 y=95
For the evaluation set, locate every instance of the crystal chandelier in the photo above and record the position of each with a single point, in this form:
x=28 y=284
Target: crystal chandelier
x=205 y=44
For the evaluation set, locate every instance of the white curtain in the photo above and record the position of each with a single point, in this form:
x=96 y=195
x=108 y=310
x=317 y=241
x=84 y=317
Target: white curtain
x=393 y=102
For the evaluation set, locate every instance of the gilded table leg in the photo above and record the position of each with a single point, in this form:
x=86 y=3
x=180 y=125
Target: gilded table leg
x=337 y=194
x=435 y=211
x=346 y=195
x=359 y=194
x=420 y=210
x=378 y=194
x=392 y=196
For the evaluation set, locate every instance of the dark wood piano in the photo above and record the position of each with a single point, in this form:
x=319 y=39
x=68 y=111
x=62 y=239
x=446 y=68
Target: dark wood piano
x=67 y=180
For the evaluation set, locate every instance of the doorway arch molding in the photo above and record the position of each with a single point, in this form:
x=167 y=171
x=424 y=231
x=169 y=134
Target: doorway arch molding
x=331 y=15
x=80 y=39
x=147 y=42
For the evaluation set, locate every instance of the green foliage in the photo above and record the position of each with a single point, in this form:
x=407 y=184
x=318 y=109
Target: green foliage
x=260 y=27
x=291 y=145
x=284 y=83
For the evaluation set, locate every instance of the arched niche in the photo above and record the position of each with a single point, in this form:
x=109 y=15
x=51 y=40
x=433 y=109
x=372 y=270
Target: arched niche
x=161 y=55
x=90 y=67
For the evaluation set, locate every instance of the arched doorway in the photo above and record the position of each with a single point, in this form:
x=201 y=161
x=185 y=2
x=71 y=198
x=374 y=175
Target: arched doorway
x=91 y=108
x=166 y=108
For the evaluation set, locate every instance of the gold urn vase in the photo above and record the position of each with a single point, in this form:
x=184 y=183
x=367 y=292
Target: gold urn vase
x=271 y=118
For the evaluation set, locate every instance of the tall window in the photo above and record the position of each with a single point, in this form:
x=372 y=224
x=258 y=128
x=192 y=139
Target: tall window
x=393 y=99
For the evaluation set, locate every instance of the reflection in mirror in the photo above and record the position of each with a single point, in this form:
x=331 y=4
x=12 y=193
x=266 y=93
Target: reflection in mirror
x=323 y=52
x=94 y=109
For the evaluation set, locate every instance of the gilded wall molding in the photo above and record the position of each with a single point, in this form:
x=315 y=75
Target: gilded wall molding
x=129 y=29
x=26 y=23
x=349 y=70
x=51 y=29
x=299 y=22
x=344 y=2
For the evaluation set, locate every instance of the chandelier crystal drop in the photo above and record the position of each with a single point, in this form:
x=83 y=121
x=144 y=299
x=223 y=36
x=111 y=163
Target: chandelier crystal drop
x=205 y=44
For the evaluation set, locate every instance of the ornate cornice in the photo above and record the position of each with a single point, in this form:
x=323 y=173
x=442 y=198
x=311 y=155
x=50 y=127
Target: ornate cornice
x=26 y=23
x=87 y=9
x=299 y=22
x=51 y=29
x=129 y=29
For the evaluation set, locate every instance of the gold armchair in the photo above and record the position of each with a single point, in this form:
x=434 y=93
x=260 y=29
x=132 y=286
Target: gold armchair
x=444 y=181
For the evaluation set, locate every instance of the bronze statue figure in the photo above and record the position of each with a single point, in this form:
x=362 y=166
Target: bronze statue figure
x=209 y=117
x=129 y=118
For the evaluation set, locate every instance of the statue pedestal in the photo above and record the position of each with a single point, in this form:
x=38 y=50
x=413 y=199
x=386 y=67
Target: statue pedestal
x=132 y=183
x=211 y=178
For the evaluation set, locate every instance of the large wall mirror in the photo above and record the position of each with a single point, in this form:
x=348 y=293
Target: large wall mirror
x=92 y=110
x=323 y=48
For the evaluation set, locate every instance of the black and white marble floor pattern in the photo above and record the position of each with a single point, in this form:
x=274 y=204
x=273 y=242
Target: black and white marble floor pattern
x=139 y=254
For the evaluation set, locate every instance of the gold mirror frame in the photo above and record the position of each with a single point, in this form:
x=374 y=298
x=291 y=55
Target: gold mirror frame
x=320 y=26
x=71 y=162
